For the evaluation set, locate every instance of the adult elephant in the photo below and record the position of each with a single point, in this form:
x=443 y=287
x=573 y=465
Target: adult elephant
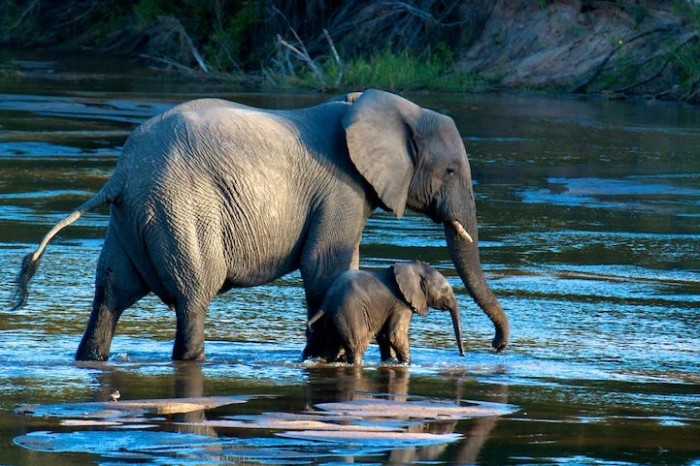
x=213 y=195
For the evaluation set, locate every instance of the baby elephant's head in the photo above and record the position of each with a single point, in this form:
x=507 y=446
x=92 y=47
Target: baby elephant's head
x=422 y=286
x=439 y=292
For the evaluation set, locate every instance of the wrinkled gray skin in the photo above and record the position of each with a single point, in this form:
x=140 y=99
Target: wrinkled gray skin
x=361 y=305
x=213 y=195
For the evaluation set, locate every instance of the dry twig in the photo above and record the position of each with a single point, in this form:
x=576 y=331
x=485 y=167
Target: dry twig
x=302 y=54
x=168 y=62
x=29 y=9
x=338 y=63
x=599 y=69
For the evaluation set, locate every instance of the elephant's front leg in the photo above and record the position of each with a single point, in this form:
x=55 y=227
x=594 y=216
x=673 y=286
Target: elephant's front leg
x=331 y=248
x=403 y=351
x=315 y=286
x=398 y=326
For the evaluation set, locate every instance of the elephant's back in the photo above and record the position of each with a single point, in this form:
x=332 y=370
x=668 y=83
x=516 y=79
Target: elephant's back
x=216 y=181
x=355 y=286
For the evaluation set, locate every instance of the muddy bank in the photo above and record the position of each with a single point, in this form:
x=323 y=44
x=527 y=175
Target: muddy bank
x=637 y=48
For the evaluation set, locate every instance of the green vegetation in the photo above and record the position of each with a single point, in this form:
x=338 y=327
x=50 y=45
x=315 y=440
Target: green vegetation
x=401 y=46
x=257 y=39
x=402 y=71
x=408 y=71
x=687 y=60
x=685 y=57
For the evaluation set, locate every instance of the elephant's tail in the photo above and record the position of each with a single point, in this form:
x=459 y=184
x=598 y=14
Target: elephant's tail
x=313 y=320
x=30 y=264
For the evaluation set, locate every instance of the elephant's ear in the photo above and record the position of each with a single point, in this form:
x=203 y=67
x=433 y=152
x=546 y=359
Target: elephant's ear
x=379 y=129
x=410 y=281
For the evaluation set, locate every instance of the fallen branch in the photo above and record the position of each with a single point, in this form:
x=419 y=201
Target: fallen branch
x=693 y=36
x=170 y=30
x=169 y=62
x=426 y=16
x=336 y=57
x=195 y=53
x=656 y=75
x=31 y=7
x=580 y=88
x=302 y=54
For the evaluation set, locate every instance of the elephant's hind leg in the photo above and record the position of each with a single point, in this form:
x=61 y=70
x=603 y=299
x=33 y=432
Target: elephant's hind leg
x=191 y=267
x=117 y=286
x=189 y=336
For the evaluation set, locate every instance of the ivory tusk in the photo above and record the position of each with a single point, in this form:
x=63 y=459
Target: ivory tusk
x=461 y=231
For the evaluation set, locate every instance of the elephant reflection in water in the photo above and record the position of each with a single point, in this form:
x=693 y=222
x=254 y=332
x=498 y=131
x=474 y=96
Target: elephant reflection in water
x=333 y=384
x=350 y=383
x=187 y=382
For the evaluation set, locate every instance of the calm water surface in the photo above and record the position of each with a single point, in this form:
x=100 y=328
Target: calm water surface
x=590 y=225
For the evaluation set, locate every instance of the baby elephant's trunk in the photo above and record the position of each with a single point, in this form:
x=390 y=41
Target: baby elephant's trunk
x=454 y=313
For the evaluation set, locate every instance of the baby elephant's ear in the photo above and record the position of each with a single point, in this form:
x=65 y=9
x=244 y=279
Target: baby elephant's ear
x=409 y=277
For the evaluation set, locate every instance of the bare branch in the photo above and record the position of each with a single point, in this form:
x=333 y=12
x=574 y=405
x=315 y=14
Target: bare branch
x=599 y=68
x=195 y=53
x=31 y=7
x=168 y=61
x=303 y=55
x=338 y=63
x=424 y=15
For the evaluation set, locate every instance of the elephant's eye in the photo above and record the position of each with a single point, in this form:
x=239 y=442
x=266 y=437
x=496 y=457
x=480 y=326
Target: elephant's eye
x=450 y=171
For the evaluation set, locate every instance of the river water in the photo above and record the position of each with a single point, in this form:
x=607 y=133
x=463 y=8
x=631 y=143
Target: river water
x=589 y=217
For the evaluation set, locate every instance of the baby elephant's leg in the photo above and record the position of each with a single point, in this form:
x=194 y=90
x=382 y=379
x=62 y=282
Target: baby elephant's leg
x=396 y=330
x=353 y=356
x=400 y=345
x=354 y=347
x=386 y=352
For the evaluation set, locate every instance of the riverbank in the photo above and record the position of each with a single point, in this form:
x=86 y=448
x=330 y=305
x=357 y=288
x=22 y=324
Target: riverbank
x=622 y=49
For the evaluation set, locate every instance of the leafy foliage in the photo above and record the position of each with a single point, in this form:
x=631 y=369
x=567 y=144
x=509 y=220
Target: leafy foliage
x=235 y=36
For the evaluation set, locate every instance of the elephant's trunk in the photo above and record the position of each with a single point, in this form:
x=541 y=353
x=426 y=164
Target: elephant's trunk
x=454 y=314
x=465 y=255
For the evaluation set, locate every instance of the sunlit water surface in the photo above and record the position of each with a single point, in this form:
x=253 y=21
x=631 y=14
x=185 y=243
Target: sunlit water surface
x=590 y=235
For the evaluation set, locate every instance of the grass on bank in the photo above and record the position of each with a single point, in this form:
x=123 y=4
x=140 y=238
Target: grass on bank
x=402 y=71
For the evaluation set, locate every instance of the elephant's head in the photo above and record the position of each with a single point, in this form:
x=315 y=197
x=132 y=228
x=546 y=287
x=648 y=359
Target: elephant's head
x=423 y=286
x=415 y=158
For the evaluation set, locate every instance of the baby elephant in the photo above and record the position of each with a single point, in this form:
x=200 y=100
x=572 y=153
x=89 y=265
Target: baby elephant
x=361 y=305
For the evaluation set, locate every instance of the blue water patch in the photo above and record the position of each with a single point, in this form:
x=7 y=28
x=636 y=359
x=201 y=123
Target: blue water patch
x=140 y=429
x=47 y=194
x=118 y=110
x=37 y=150
x=610 y=193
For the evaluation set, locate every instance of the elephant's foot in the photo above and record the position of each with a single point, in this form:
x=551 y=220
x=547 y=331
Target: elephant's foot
x=95 y=344
x=181 y=353
x=314 y=349
x=307 y=353
x=91 y=352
